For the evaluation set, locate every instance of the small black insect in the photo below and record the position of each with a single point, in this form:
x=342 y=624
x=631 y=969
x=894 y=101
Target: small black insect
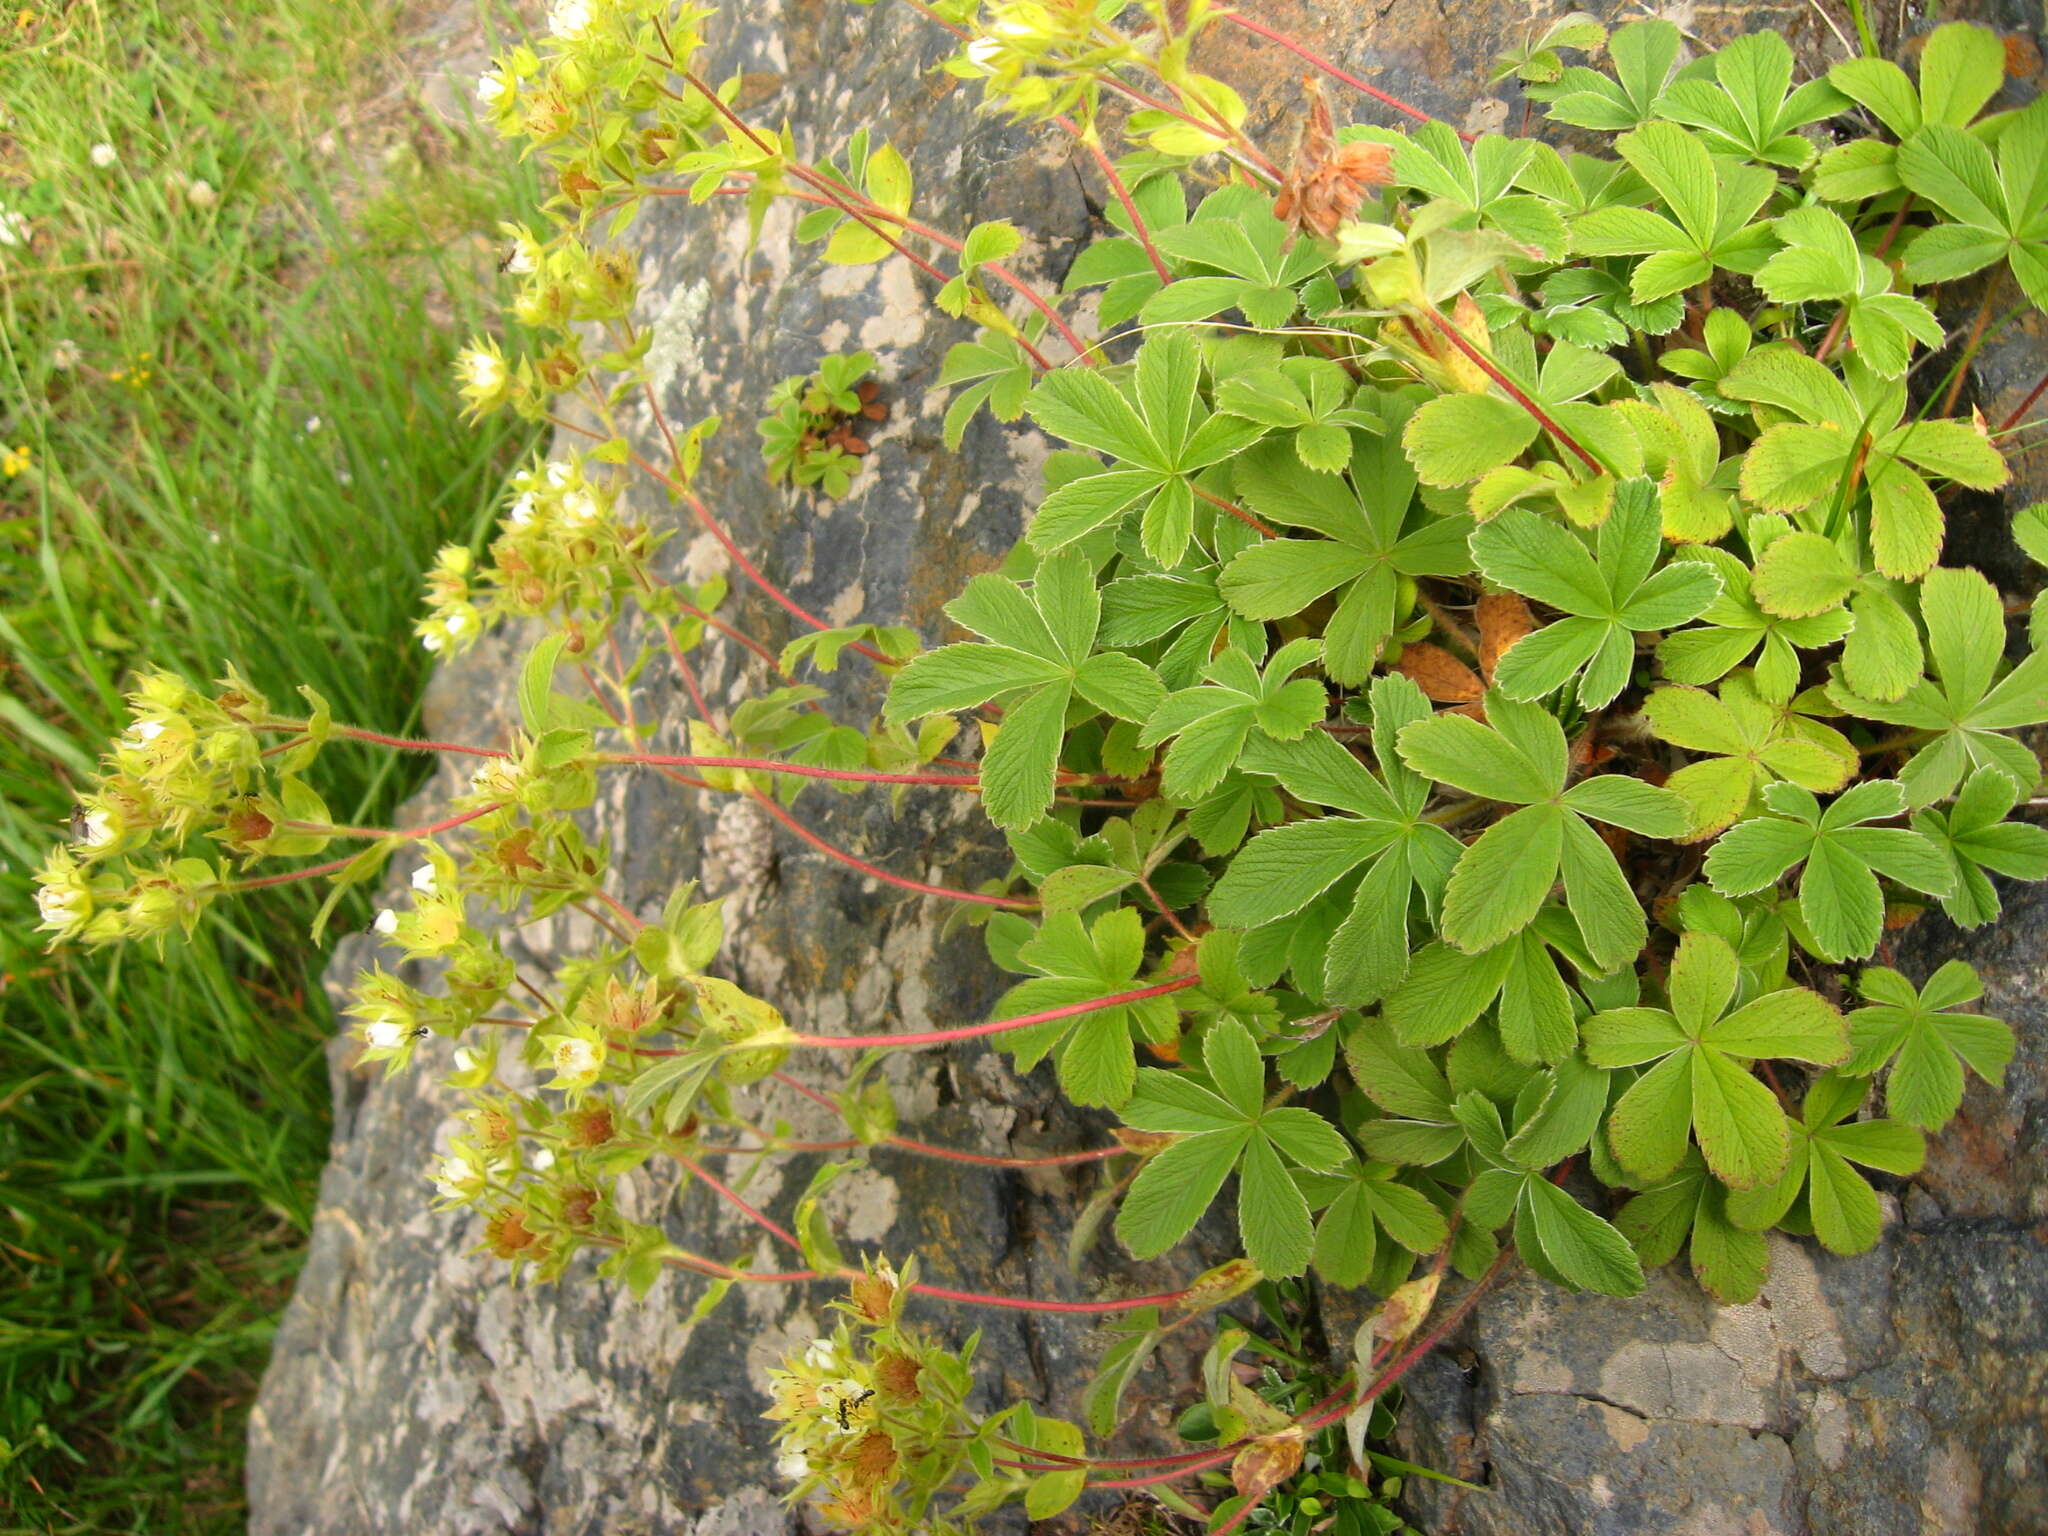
x=421 y=1031
x=505 y=261
x=81 y=824
x=848 y=1404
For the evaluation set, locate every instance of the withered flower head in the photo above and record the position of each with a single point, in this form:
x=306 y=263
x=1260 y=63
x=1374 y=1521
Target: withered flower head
x=1328 y=180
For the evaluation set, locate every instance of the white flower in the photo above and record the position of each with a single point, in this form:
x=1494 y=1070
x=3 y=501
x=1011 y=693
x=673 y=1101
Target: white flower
x=567 y=19
x=542 y=1160
x=387 y=922
x=455 y=1171
x=793 y=1465
x=98 y=831
x=465 y=1059
x=104 y=155
x=521 y=513
x=141 y=734
x=824 y=1355
x=59 y=906
x=986 y=52
x=13 y=227
x=575 y=1057
x=456 y=623
x=343 y=477
x=579 y=508
x=525 y=258
x=481 y=370
x=434 y=642
x=313 y=424
x=559 y=473
x=65 y=355
x=492 y=89
x=384 y=1035
x=200 y=193
x=423 y=879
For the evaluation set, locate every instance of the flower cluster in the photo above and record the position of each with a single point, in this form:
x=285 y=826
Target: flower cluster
x=855 y=1410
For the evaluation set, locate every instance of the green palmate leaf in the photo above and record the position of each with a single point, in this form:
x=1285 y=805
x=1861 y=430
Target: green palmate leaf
x=1756 y=743
x=1710 y=212
x=1997 y=200
x=1698 y=1085
x=1502 y=878
x=1838 y=891
x=1369 y=542
x=1610 y=594
x=1839 y=1201
x=1211 y=724
x=1556 y=1236
x=1743 y=108
x=1964 y=711
x=1224 y=1127
x=1821 y=261
x=1839 y=437
x=1369 y=1200
x=1728 y=1262
x=1910 y=1035
x=1248 y=262
x=1282 y=870
x=1075 y=964
x=1158 y=435
x=1961 y=68
x=1446 y=990
x=1643 y=53
x=1037 y=661
x=1735 y=627
x=1975 y=836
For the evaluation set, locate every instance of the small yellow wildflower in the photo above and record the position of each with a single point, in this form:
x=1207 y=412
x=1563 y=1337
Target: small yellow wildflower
x=14 y=461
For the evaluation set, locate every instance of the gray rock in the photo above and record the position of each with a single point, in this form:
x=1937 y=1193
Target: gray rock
x=412 y=1389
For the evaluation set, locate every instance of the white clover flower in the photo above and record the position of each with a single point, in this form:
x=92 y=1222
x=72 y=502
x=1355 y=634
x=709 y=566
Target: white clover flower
x=465 y=1059
x=105 y=156
x=542 y=1160
x=481 y=370
x=200 y=193
x=384 y=1035
x=423 y=879
x=492 y=89
x=568 y=19
x=455 y=1171
x=387 y=922
x=576 y=1057
x=522 y=511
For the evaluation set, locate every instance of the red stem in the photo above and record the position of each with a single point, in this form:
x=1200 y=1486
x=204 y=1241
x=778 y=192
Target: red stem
x=789 y=604
x=1123 y=196
x=926 y=1149
x=1334 y=72
x=410 y=743
x=994 y=1026
x=903 y=882
x=794 y=770
x=1487 y=366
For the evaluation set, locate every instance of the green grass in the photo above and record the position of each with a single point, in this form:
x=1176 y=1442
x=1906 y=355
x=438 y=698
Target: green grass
x=268 y=493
